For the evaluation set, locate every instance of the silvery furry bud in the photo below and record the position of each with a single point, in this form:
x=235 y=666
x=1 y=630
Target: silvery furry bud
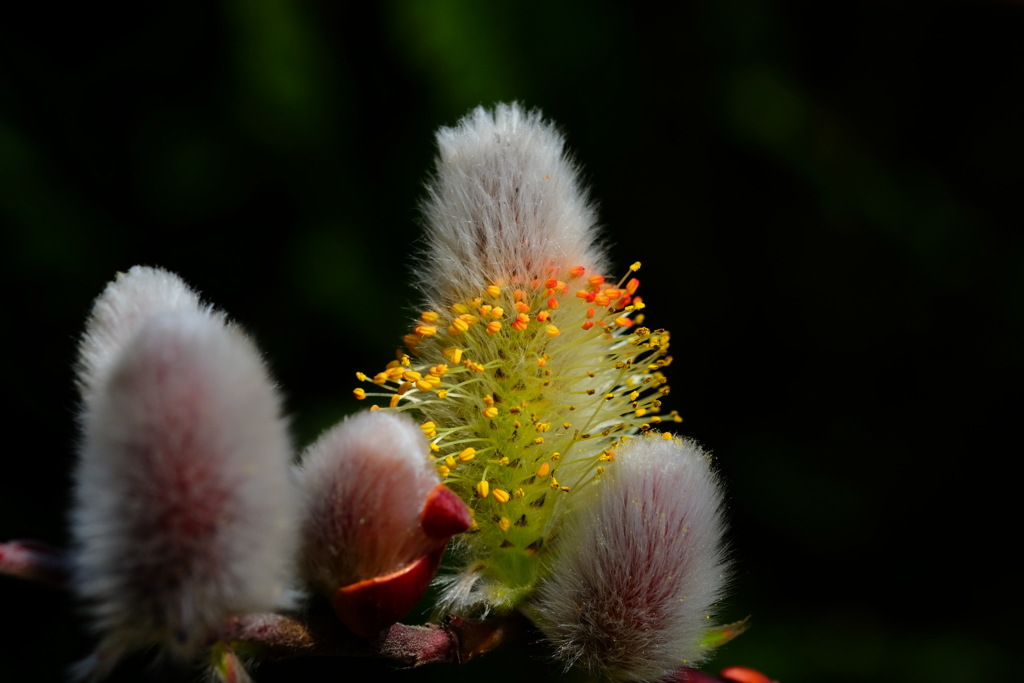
x=184 y=507
x=376 y=518
x=126 y=303
x=639 y=565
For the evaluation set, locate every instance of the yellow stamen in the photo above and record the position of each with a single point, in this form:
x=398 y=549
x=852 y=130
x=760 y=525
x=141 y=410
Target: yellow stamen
x=500 y=496
x=483 y=488
x=359 y=393
x=467 y=455
x=504 y=523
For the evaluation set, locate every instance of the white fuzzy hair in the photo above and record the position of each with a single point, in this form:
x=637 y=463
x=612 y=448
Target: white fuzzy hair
x=640 y=564
x=364 y=484
x=184 y=509
x=505 y=203
x=120 y=311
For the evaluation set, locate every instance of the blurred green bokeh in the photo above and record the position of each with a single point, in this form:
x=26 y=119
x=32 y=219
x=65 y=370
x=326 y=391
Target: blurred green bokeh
x=825 y=198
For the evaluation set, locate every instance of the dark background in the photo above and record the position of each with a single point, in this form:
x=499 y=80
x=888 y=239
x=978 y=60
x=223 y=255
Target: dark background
x=825 y=197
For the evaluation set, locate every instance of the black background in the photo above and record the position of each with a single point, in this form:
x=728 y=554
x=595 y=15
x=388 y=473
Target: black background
x=825 y=198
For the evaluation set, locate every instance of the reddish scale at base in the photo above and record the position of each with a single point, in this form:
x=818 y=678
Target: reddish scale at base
x=368 y=607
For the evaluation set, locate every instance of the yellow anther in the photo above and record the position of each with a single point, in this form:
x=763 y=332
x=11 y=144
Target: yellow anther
x=439 y=370
x=602 y=300
x=493 y=290
x=443 y=393
x=423 y=385
x=434 y=447
x=522 y=307
x=556 y=456
x=469 y=318
x=429 y=316
x=374 y=407
x=453 y=354
x=521 y=322
x=500 y=496
x=359 y=393
x=467 y=455
x=380 y=378
x=443 y=471
x=640 y=412
x=411 y=376
x=405 y=360
x=483 y=488
x=428 y=427
x=404 y=387
x=460 y=309
x=552 y=331
x=539 y=440
x=554 y=482
x=477 y=302
x=634 y=396
x=655 y=419
x=450 y=461
x=493 y=327
x=543 y=470
x=361 y=377
x=497 y=312
x=425 y=330
x=623 y=321
x=504 y=460
x=433 y=380
x=485 y=310
x=458 y=326
x=518 y=493
x=600 y=470
x=395 y=372
x=504 y=523
x=488 y=400
x=667 y=436
x=635 y=267
x=395 y=399
x=543 y=316
x=475 y=367
x=609 y=397
x=543 y=426
x=491 y=412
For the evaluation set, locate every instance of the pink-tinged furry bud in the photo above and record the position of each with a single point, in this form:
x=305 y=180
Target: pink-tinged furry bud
x=376 y=519
x=639 y=565
x=184 y=508
x=506 y=202
x=126 y=303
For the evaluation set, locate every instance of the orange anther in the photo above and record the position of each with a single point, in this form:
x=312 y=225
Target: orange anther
x=632 y=285
x=519 y=295
x=521 y=322
x=596 y=280
x=612 y=294
x=543 y=316
x=577 y=271
x=497 y=312
x=485 y=310
x=424 y=385
x=469 y=318
x=488 y=400
x=522 y=308
x=428 y=316
x=458 y=326
x=601 y=300
x=493 y=327
x=359 y=393
x=582 y=294
x=551 y=283
x=453 y=354
x=623 y=321
x=553 y=303
x=394 y=400
x=587 y=325
x=411 y=376
x=493 y=290
x=543 y=470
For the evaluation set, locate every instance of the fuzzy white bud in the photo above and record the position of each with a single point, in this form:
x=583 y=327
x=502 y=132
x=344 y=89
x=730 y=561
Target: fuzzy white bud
x=184 y=507
x=364 y=484
x=126 y=303
x=505 y=202
x=639 y=565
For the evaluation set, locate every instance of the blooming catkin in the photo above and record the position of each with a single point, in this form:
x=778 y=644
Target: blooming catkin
x=639 y=565
x=505 y=201
x=184 y=507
